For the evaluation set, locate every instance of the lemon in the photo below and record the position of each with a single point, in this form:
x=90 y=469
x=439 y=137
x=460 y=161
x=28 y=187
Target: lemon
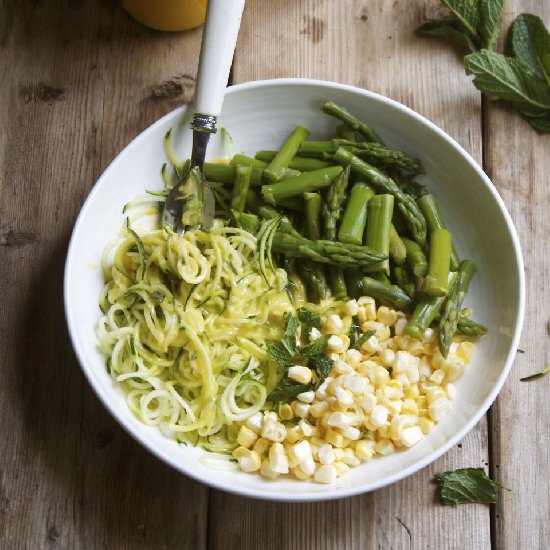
x=167 y=15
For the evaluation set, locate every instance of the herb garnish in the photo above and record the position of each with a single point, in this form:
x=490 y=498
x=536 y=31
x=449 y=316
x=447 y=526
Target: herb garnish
x=288 y=352
x=540 y=374
x=467 y=485
x=522 y=77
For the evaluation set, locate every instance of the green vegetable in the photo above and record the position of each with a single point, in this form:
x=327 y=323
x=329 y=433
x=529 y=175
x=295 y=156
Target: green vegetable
x=405 y=203
x=282 y=352
x=303 y=164
x=309 y=319
x=362 y=339
x=416 y=259
x=287 y=389
x=240 y=187
x=383 y=156
x=451 y=309
x=246 y=221
x=306 y=183
x=355 y=215
x=404 y=280
x=330 y=108
x=327 y=252
x=385 y=293
x=286 y=153
x=265 y=243
x=536 y=375
x=476 y=23
x=322 y=364
x=247 y=161
x=380 y=211
x=521 y=78
x=467 y=485
x=437 y=279
x=469 y=327
x=398 y=250
x=434 y=220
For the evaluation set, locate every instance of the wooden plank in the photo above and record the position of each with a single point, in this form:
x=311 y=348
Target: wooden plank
x=371 y=45
x=79 y=80
x=517 y=162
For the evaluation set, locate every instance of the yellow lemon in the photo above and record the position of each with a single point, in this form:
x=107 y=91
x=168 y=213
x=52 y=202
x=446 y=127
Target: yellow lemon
x=167 y=15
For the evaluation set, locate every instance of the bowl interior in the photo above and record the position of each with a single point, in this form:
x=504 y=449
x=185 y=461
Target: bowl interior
x=259 y=115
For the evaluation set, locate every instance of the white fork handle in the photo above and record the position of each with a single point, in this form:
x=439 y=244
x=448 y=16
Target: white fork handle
x=219 y=38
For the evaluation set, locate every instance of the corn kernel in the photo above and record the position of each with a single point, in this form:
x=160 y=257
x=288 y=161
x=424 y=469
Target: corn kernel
x=300 y=374
x=261 y=446
x=344 y=397
x=246 y=437
x=333 y=324
x=278 y=461
x=379 y=416
x=298 y=473
x=364 y=449
x=350 y=458
x=326 y=474
x=293 y=434
x=439 y=408
x=464 y=351
x=249 y=462
x=386 y=315
x=299 y=452
x=255 y=422
x=335 y=343
x=308 y=466
x=306 y=428
x=326 y=454
x=334 y=438
x=306 y=396
x=266 y=470
x=274 y=431
x=425 y=425
x=409 y=407
x=318 y=409
x=286 y=412
x=384 y=447
x=341 y=468
x=340 y=420
x=351 y=307
x=353 y=357
x=301 y=409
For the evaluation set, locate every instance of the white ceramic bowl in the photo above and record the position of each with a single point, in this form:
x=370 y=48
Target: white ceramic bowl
x=258 y=116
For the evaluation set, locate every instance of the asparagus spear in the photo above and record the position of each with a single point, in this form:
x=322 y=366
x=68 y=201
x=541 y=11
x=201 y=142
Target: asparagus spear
x=327 y=252
x=404 y=280
x=311 y=272
x=434 y=220
x=470 y=328
x=425 y=311
x=355 y=214
x=330 y=108
x=380 y=210
x=378 y=154
x=240 y=187
x=307 y=182
x=416 y=258
x=247 y=161
x=286 y=153
x=451 y=310
x=436 y=282
x=398 y=250
x=353 y=282
x=253 y=201
x=345 y=132
x=317 y=149
x=332 y=209
x=386 y=293
x=296 y=204
x=303 y=164
x=406 y=204
x=246 y=221
x=333 y=205
x=224 y=173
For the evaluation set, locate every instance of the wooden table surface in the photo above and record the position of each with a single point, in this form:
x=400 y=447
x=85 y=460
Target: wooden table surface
x=79 y=79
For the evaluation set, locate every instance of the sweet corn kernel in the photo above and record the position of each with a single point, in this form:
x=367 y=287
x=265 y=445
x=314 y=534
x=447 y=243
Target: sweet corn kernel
x=384 y=447
x=334 y=438
x=326 y=454
x=314 y=334
x=326 y=474
x=299 y=452
x=350 y=458
x=335 y=343
x=318 y=409
x=353 y=357
x=286 y=412
x=425 y=425
x=293 y=434
x=301 y=409
x=278 y=461
x=266 y=470
x=386 y=316
x=261 y=446
x=351 y=307
x=464 y=351
x=450 y=388
x=411 y=436
x=437 y=376
x=355 y=384
x=439 y=408
x=306 y=428
x=341 y=468
x=298 y=473
x=255 y=422
x=274 y=431
x=371 y=345
x=351 y=433
x=246 y=437
x=300 y=374
x=400 y=325
x=308 y=466
x=249 y=462
x=340 y=420
x=344 y=397
x=409 y=407
x=306 y=396
x=364 y=449
x=333 y=324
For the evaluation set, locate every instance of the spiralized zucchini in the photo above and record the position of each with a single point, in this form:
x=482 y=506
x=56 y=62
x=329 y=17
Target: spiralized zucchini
x=184 y=326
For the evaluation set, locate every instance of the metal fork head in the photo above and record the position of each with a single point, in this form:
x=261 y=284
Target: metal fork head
x=192 y=186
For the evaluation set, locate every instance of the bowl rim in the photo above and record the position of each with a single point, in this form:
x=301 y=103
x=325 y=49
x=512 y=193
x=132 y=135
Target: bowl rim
x=337 y=493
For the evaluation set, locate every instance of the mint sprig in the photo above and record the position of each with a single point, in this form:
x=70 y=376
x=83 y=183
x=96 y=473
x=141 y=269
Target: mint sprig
x=467 y=485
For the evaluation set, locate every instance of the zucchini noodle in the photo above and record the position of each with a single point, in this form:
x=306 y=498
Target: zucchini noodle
x=184 y=326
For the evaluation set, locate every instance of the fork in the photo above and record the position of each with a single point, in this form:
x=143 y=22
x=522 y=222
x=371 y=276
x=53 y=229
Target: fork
x=190 y=203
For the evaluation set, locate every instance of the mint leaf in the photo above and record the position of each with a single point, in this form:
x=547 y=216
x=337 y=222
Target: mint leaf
x=309 y=319
x=467 y=13
x=490 y=12
x=280 y=354
x=448 y=29
x=315 y=348
x=323 y=366
x=529 y=41
x=536 y=375
x=287 y=389
x=291 y=333
x=467 y=485
x=506 y=78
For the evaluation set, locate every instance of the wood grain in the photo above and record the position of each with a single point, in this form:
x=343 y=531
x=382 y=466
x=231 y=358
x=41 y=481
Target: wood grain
x=79 y=81
x=518 y=163
x=370 y=44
